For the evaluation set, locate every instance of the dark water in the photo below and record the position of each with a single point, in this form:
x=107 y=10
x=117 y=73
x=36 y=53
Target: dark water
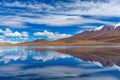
x=24 y=63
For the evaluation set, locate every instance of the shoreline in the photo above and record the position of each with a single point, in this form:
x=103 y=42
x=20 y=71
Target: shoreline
x=89 y=46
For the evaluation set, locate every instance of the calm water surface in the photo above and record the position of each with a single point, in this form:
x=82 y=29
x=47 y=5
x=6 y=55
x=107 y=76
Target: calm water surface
x=24 y=63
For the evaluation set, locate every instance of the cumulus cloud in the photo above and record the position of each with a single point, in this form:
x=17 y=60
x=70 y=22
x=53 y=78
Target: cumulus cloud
x=51 y=35
x=45 y=33
x=8 y=32
x=25 y=34
x=11 y=36
x=15 y=34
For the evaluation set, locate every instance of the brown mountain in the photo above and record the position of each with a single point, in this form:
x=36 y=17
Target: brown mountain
x=108 y=33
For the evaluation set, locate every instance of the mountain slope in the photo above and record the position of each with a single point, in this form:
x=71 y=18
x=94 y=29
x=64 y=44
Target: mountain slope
x=108 y=33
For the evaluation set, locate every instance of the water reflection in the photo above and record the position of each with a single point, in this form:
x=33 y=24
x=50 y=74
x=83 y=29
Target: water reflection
x=31 y=63
x=8 y=54
x=106 y=55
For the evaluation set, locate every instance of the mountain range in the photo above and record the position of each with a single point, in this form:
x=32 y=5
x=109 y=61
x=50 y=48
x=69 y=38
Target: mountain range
x=104 y=35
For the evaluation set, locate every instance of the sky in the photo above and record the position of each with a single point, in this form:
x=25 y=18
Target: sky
x=28 y=20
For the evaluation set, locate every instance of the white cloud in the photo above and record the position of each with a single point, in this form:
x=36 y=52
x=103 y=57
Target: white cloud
x=65 y=20
x=51 y=35
x=1 y=31
x=9 y=33
x=7 y=30
x=45 y=33
x=25 y=34
x=108 y=8
x=2 y=38
x=11 y=36
x=61 y=10
x=39 y=6
x=11 y=23
x=51 y=20
x=14 y=34
x=88 y=27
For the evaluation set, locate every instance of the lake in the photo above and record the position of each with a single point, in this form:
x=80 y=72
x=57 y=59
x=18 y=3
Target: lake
x=59 y=63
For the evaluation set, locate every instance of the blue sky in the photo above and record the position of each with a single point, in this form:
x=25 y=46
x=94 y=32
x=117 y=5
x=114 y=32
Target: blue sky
x=27 y=20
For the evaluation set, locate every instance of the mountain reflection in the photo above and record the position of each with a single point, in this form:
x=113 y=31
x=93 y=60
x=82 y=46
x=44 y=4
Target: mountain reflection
x=49 y=63
x=106 y=55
